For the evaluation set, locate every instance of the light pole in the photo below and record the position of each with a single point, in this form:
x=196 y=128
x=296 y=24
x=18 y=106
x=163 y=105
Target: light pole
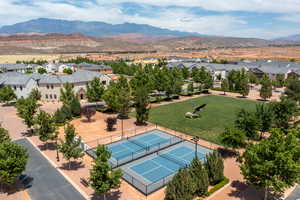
x=122 y=128
x=57 y=155
x=196 y=139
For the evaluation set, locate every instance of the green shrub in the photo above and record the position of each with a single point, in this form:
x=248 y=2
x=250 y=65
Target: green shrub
x=218 y=186
x=175 y=97
x=215 y=167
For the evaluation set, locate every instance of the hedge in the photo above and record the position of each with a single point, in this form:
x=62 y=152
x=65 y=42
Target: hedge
x=218 y=186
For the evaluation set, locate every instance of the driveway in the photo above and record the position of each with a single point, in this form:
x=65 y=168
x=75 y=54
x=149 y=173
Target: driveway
x=43 y=181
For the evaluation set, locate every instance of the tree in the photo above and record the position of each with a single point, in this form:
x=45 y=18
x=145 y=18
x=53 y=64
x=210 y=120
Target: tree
x=35 y=94
x=88 y=112
x=110 y=122
x=293 y=90
x=27 y=108
x=181 y=187
x=141 y=102
x=266 y=87
x=280 y=79
x=248 y=122
x=102 y=177
x=60 y=117
x=244 y=87
x=190 y=88
x=7 y=94
x=185 y=73
x=215 y=168
x=272 y=164
x=28 y=71
x=219 y=77
x=67 y=94
x=75 y=107
x=284 y=111
x=225 y=86
x=200 y=177
x=45 y=127
x=68 y=71
x=13 y=159
x=42 y=70
x=110 y=97
x=252 y=79
x=95 y=90
x=123 y=97
x=233 y=138
x=70 y=147
x=4 y=136
x=265 y=115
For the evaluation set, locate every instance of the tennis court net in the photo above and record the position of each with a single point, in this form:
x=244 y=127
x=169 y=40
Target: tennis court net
x=172 y=159
x=144 y=146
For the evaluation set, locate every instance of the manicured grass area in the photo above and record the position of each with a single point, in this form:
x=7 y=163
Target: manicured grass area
x=219 y=112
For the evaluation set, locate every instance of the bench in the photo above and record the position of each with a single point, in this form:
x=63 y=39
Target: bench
x=84 y=182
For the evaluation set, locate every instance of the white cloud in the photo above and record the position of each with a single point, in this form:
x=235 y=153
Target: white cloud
x=276 y=6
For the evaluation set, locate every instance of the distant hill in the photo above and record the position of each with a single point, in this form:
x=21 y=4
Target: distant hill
x=94 y=29
x=295 y=38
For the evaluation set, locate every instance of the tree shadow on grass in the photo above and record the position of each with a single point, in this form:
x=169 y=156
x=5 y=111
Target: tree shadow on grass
x=241 y=97
x=261 y=100
x=75 y=165
x=114 y=195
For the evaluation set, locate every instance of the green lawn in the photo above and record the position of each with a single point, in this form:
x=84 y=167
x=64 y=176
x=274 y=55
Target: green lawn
x=219 y=113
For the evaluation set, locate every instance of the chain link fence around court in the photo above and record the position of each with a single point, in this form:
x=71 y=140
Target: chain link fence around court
x=146 y=149
x=147 y=188
x=128 y=133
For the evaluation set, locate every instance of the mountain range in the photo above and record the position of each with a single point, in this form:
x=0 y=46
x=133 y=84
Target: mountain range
x=52 y=35
x=295 y=38
x=93 y=29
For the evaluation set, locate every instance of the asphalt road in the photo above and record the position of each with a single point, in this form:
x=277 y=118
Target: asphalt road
x=295 y=194
x=43 y=181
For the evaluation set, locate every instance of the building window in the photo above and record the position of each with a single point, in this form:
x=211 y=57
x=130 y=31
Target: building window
x=15 y=87
x=47 y=86
x=46 y=96
x=55 y=96
x=51 y=86
x=104 y=82
x=21 y=88
x=50 y=96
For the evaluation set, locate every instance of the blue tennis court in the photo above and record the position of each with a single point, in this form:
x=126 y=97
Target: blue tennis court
x=138 y=146
x=150 y=173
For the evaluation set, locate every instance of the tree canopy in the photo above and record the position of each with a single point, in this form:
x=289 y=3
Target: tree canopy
x=13 y=159
x=102 y=177
x=95 y=90
x=70 y=147
x=272 y=164
x=45 y=126
x=266 y=87
x=7 y=94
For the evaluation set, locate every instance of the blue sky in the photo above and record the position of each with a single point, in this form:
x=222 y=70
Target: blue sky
x=238 y=18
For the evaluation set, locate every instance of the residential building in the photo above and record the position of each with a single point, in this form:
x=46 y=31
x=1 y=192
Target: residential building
x=22 y=84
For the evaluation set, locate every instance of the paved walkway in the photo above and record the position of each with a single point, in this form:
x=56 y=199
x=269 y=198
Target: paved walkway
x=43 y=181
